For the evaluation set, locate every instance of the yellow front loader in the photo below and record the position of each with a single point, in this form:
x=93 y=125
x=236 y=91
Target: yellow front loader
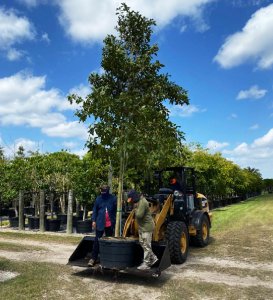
x=181 y=217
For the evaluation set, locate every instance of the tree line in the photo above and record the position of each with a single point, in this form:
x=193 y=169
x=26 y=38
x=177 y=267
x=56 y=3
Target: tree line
x=61 y=171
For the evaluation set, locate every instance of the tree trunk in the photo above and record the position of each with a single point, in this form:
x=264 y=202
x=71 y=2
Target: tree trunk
x=69 y=212
x=21 y=211
x=77 y=207
x=110 y=176
x=36 y=203
x=51 y=204
x=120 y=192
x=62 y=203
x=42 y=210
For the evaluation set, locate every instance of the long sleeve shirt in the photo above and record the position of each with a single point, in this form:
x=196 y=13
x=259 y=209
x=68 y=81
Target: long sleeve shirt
x=99 y=209
x=143 y=216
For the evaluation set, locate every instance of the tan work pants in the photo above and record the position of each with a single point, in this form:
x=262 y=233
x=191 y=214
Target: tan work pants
x=145 y=240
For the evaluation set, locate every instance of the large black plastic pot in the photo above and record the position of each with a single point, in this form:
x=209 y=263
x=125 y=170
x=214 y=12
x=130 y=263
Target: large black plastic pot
x=4 y=212
x=11 y=213
x=119 y=253
x=84 y=226
x=75 y=219
x=28 y=210
x=33 y=222
x=81 y=214
x=14 y=222
x=63 y=218
x=53 y=224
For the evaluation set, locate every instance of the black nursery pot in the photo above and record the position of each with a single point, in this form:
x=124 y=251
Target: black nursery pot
x=75 y=219
x=28 y=210
x=63 y=218
x=53 y=225
x=33 y=222
x=14 y=222
x=118 y=253
x=84 y=226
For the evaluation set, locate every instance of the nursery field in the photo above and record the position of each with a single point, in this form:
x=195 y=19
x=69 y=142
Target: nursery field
x=237 y=264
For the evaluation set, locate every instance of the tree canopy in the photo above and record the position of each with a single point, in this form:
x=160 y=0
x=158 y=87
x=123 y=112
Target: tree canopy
x=128 y=100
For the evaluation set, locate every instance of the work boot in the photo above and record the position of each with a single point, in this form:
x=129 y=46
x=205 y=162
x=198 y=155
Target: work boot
x=153 y=261
x=143 y=266
x=91 y=263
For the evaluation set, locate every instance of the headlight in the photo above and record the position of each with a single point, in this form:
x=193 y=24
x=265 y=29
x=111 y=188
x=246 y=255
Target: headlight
x=177 y=193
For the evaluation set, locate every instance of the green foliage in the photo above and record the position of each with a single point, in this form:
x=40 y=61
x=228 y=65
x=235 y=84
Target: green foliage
x=217 y=176
x=127 y=100
x=59 y=171
x=268 y=185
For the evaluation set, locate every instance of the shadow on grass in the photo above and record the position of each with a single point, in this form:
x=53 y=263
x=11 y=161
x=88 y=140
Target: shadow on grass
x=121 y=277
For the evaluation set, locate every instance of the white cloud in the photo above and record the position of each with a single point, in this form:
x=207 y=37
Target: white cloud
x=14 y=29
x=81 y=91
x=257 y=154
x=253 y=42
x=254 y=127
x=24 y=101
x=45 y=38
x=70 y=145
x=216 y=146
x=28 y=145
x=90 y=21
x=14 y=54
x=66 y=130
x=185 y=110
x=253 y=93
x=80 y=152
x=264 y=141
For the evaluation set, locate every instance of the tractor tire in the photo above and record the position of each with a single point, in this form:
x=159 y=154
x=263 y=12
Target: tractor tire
x=178 y=241
x=202 y=237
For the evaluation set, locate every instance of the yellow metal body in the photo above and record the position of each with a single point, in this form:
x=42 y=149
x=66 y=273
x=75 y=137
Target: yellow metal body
x=160 y=212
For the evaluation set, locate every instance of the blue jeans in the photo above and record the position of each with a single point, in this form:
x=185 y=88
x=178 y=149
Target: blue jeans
x=108 y=232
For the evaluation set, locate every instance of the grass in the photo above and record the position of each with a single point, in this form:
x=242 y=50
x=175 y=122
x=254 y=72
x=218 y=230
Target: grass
x=258 y=211
x=6 y=246
x=37 y=281
x=243 y=231
x=43 y=237
x=240 y=233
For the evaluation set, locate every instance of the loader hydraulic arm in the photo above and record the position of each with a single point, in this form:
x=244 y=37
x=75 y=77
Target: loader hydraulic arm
x=161 y=217
x=130 y=227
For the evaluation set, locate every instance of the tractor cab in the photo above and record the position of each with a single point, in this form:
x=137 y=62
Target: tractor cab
x=180 y=182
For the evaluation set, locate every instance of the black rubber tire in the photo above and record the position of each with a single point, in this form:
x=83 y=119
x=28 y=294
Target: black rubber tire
x=177 y=230
x=202 y=239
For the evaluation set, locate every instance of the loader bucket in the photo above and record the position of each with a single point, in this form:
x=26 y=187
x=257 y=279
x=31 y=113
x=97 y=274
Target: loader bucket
x=161 y=250
x=82 y=253
x=112 y=260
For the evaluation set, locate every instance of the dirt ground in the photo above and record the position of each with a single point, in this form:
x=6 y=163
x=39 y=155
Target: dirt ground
x=214 y=266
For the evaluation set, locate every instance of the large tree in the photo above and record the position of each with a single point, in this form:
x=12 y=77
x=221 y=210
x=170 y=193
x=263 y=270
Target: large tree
x=128 y=100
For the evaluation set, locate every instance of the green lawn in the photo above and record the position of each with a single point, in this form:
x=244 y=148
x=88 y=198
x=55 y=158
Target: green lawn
x=258 y=211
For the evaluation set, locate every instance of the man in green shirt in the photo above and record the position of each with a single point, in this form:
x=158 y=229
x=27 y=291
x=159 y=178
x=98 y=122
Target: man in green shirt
x=145 y=228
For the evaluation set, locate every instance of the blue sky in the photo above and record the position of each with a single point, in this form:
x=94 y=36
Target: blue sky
x=220 y=51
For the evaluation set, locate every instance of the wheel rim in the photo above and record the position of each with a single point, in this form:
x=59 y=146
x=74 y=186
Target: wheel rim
x=183 y=243
x=204 y=231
